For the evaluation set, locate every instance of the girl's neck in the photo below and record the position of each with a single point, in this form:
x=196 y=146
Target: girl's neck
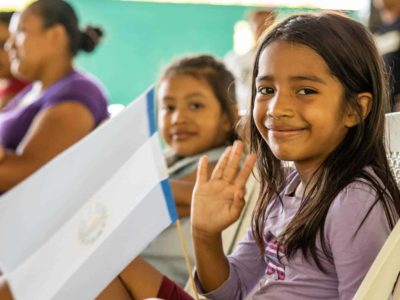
x=306 y=172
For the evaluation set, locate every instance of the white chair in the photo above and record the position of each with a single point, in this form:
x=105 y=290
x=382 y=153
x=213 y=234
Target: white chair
x=381 y=278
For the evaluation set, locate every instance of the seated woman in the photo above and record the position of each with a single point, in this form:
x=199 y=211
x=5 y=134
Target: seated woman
x=62 y=105
x=9 y=85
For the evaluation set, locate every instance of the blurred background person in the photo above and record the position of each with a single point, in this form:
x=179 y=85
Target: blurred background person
x=241 y=64
x=9 y=85
x=387 y=34
x=62 y=105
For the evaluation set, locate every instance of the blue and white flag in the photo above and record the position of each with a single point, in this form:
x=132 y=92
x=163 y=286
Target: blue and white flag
x=69 y=229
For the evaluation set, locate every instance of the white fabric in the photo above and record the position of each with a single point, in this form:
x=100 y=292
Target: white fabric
x=69 y=229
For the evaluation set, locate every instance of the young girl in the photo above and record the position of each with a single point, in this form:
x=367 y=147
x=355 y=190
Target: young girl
x=319 y=98
x=196 y=113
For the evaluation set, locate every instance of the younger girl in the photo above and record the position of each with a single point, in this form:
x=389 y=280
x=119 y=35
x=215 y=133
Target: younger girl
x=196 y=116
x=319 y=98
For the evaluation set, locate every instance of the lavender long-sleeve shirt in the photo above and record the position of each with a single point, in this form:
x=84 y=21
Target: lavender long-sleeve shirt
x=350 y=254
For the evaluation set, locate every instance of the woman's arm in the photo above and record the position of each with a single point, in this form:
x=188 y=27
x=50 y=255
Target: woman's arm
x=52 y=131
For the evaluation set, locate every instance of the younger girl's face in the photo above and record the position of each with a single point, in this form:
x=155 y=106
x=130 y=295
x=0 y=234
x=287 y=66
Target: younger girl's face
x=190 y=117
x=298 y=107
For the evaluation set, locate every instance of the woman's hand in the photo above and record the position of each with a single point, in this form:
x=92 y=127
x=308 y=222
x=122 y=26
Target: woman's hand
x=218 y=201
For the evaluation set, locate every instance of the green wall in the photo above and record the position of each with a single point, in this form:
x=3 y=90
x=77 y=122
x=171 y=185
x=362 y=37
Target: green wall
x=141 y=38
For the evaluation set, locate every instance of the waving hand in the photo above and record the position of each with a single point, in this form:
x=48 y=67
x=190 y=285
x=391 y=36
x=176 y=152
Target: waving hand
x=218 y=201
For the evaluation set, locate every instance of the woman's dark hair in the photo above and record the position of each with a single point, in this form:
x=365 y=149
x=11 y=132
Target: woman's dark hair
x=350 y=53
x=5 y=17
x=216 y=75
x=55 y=12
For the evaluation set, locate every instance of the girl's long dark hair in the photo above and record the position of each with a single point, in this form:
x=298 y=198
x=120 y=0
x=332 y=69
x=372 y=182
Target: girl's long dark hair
x=350 y=53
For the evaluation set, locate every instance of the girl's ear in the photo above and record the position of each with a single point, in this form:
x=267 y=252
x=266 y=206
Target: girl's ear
x=364 y=103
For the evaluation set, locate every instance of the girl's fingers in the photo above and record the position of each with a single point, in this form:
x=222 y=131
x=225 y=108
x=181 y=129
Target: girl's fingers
x=231 y=169
x=202 y=170
x=221 y=164
x=244 y=173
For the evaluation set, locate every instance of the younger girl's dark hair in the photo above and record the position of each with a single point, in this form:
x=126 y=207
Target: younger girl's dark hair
x=216 y=75
x=60 y=12
x=350 y=53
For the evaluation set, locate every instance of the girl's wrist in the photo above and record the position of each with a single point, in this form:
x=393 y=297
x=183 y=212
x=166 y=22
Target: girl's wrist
x=202 y=236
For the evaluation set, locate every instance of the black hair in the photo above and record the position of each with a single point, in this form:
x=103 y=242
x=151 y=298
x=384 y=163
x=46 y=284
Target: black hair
x=55 y=12
x=5 y=17
x=349 y=51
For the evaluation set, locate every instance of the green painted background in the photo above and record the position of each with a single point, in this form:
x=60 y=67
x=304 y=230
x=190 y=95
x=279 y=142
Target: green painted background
x=141 y=38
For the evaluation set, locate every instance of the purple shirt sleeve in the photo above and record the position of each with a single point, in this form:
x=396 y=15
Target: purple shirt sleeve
x=246 y=269
x=84 y=90
x=354 y=248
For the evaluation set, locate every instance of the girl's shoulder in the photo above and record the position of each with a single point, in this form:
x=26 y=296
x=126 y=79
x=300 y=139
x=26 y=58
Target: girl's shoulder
x=359 y=192
x=179 y=166
x=358 y=200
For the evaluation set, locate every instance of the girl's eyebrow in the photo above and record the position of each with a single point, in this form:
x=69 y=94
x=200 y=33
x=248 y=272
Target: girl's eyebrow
x=167 y=98
x=308 y=78
x=305 y=77
x=194 y=95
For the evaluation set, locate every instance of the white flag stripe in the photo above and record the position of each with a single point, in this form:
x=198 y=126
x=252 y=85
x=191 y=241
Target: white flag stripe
x=83 y=168
x=139 y=226
x=78 y=238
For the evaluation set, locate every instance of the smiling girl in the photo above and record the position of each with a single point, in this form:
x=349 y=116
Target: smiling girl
x=197 y=114
x=319 y=99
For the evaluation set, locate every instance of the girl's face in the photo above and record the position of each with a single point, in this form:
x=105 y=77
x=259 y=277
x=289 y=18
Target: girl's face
x=298 y=108
x=190 y=116
x=28 y=46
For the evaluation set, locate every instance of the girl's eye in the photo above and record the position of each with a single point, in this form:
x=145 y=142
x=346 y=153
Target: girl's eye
x=265 y=90
x=195 y=106
x=306 y=91
x=167 y=108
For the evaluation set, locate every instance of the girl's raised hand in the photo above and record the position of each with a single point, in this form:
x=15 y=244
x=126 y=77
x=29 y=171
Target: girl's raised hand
x=218 y=201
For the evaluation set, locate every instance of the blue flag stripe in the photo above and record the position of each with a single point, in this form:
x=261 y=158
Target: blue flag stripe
x=151 y=111
x=169 y=199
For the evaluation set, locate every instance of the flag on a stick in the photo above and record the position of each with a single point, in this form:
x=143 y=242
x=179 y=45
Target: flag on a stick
x=70 y=228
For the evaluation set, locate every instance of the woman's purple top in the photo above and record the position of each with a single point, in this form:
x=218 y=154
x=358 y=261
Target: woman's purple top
x=75 y=86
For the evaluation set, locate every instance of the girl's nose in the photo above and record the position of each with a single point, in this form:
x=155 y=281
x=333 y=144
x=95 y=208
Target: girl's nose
x=178 y=116
x=280 y=106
